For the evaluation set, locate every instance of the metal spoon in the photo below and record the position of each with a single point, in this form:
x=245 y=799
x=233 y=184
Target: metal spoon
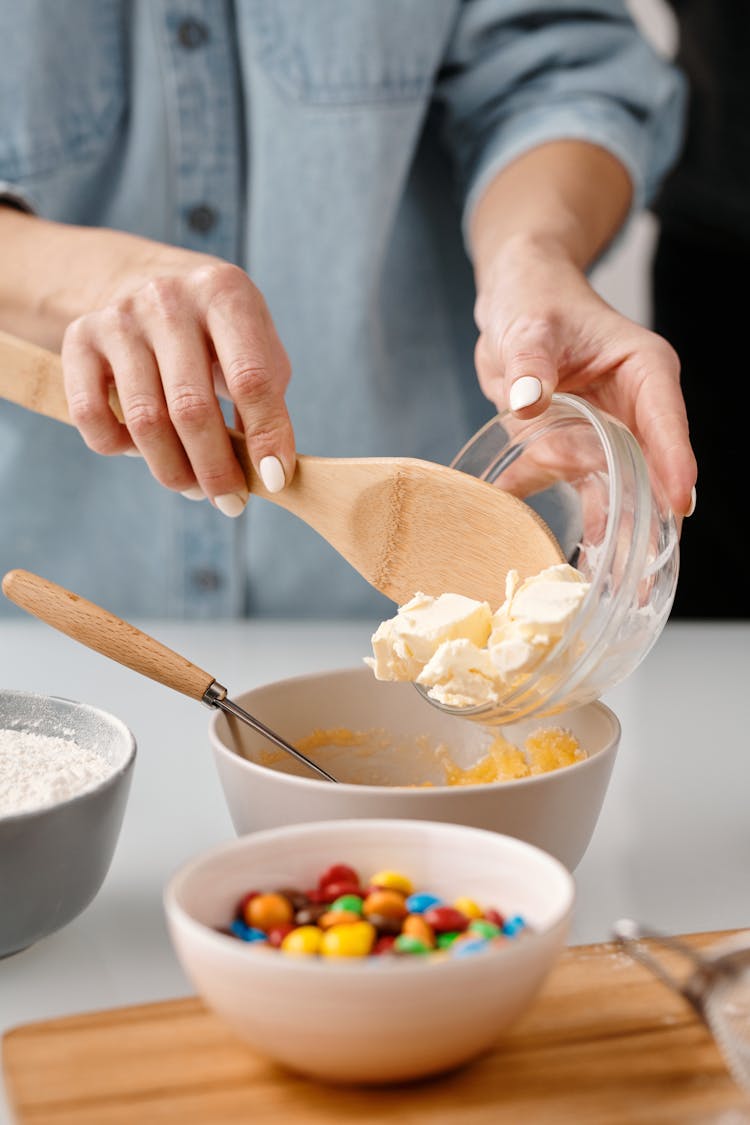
x=111 y=636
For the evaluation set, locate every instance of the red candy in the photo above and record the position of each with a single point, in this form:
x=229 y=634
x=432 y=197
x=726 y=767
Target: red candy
x=242 y=904
x=339 y=873
x=446 y=919
x=495 y=917
x=318 y=896
x=332 y=891
x=278 y=933
x=384 y=944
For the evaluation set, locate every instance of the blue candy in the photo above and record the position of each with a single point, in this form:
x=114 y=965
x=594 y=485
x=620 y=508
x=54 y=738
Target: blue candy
x=466 y=947
x=247 y=933
x=514 y=926
x=421 y=901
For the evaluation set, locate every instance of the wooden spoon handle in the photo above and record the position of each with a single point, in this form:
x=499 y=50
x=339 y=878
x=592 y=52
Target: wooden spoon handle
x=32 y=377
x=104 y=632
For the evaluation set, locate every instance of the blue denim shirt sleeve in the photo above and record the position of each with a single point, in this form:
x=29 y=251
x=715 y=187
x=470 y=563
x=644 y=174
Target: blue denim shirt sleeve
x=519 y=74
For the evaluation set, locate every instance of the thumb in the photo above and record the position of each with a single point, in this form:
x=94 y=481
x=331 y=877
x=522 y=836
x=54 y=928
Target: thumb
x=530 y=376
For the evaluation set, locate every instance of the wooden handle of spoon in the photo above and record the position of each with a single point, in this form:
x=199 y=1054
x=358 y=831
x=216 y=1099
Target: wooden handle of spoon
x=32 y=377
x=104 y=632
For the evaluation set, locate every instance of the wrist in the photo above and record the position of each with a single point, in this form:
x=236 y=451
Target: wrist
x=563 y=199
x=510 y=263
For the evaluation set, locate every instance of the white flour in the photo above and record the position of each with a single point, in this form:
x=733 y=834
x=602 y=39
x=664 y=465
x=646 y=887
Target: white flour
x=36 y=770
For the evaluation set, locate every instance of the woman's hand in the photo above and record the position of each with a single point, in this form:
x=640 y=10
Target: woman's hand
x=543 y=328
x=172 y=327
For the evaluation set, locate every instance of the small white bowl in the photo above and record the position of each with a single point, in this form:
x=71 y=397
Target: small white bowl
x=555 y=811
x=379 y=1019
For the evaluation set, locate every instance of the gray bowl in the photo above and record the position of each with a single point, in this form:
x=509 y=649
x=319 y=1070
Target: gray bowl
x=53 y=860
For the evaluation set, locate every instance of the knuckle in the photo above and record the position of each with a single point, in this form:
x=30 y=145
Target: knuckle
x=104 y=442
x=189 y=408
x=665 y=355
x=219 y=281
x=284 y=370
x=176 y=479
x=267 y=435
x=248 y=382
x=145 y=416
x=163 y=296
x=531 y=333
x=484 y=361
x=77 y=334
x=116 y=320
x=86 y=410
x=216 y=478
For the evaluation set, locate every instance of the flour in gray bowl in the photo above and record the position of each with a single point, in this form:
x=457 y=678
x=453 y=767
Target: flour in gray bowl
x=37 y=771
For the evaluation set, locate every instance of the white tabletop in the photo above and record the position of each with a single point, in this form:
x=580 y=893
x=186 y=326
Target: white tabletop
x=671 y=847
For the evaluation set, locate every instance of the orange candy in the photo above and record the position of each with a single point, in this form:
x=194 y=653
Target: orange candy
x=337 y=918
x=391 y=904
x=266 y=911
x=416 y=927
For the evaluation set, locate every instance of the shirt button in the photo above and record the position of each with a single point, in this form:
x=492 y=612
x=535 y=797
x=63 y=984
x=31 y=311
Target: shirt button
x=202 y=218
x=206 y=579
x=192 y=33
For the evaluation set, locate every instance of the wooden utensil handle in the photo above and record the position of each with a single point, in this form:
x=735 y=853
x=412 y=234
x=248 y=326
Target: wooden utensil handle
x=104 y=632
x=32 y=377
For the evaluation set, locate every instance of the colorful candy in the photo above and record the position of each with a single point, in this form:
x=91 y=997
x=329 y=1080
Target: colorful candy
x=384 y=916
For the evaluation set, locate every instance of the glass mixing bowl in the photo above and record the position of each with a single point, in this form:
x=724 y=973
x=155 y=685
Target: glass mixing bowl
x=586 y=476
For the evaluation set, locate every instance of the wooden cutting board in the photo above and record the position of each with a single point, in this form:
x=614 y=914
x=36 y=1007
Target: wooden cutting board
x=604 y=1044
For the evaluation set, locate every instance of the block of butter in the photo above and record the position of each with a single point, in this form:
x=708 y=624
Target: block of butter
x=463 y=654
x=403 y=645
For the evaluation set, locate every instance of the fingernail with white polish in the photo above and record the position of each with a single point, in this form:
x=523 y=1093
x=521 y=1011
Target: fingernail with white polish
x=194 y=493
x=231 y=504
x=272 y=474
x=524 y=392
x=693 y=501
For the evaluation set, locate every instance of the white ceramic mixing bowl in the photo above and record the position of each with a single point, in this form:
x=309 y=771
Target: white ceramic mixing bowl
x=555 y=811
x=379 y=1019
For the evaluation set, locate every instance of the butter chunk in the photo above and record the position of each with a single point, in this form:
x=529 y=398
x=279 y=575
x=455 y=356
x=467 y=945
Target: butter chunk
x=460 y=674
x=539 y=609
x=404 y=644
x=466 y=656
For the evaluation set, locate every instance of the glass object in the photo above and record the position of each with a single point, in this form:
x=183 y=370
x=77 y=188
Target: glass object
x=716 y=984
x=584 y=473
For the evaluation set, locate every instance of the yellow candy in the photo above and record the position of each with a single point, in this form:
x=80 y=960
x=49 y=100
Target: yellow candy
x=304 y=940
x=468 y=907
x=354 y=939
x=393 y=881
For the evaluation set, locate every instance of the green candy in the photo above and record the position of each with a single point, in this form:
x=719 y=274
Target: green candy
x=405 y=943
x=485 y=929
x=352 y=903
x=446 y=940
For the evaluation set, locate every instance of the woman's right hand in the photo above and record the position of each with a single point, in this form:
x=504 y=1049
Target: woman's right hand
x=172 y=327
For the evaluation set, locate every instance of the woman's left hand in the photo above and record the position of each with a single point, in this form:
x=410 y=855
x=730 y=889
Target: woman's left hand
x=543 y=328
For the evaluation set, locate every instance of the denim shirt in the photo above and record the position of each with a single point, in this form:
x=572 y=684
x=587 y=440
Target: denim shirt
x=334 y=149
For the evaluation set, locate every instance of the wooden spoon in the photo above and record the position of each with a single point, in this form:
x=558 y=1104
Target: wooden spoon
x=406 y=525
